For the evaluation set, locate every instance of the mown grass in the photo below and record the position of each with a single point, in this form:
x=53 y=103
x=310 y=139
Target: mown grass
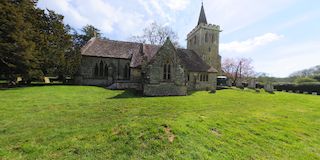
x=75 y=122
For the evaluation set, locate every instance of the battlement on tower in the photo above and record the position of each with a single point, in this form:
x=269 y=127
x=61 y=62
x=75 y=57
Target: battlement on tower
x=205 y=26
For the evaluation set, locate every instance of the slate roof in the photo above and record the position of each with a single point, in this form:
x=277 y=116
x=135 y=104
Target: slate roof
x=137 y=52
x=109 y=48
x=193 y=62
x=202 y=17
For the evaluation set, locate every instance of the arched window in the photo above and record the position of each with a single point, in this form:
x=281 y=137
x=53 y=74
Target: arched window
x=126 y=72
x=206 y=38
x=101 y=69
x=106 y=71
x=207 y=78
x=195 y=39
x=96 y=71
x=167 y=71
x=212 y=38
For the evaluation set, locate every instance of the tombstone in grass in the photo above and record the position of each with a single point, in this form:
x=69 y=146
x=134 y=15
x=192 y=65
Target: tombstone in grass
x=268 y=87
x=46 y=80
x=252 y=84
x=229 y=83
x=239 y=84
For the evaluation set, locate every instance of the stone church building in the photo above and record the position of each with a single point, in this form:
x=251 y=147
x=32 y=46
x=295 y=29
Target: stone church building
x=155 y=70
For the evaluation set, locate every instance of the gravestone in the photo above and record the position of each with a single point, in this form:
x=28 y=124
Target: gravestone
x=239 y=84
x=314 y=93
x=229 y=83
x=252 y=84
x=46 y=80
x=268 y=87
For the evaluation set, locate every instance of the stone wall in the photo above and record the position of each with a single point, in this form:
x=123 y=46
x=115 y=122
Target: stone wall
x=115 y=67
x=204 y=40
x=154 y=82
x=195 y=82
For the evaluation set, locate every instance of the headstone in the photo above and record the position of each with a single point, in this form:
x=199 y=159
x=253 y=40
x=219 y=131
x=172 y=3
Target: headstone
x=46 y=80
x=229 y=83
x=314 y=93
x=239 y=84
x=268 y=87
x=252 y=84
x=19 y=79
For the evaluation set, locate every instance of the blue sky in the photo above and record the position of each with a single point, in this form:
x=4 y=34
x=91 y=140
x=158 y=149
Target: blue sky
x=280 y=36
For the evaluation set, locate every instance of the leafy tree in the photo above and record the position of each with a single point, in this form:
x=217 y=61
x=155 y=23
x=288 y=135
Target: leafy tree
x=17 y=50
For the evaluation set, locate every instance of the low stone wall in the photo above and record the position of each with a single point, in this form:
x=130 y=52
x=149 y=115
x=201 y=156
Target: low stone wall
x=164 y=89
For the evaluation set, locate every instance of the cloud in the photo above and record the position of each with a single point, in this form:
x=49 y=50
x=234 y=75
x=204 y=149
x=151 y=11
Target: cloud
x=290 y=58
x=177 y=5
x=250 y=44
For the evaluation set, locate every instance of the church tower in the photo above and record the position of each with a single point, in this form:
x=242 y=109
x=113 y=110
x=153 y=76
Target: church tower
x=204 y=40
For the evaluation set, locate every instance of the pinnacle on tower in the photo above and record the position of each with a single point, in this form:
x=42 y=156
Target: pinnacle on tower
x=202 y=17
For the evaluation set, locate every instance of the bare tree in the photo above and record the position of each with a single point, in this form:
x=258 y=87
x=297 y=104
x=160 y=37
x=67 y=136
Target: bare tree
x=240 y=69
x=157 y=35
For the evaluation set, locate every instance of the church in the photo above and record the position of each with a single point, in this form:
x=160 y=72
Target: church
x=156 y=70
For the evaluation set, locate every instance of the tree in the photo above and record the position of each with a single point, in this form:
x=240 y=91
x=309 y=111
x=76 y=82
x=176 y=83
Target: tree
x=240 y=69
x=17 y=49
x=156 y=34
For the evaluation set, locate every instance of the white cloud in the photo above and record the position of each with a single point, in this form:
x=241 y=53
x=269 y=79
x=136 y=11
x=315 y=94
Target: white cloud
x=290 y=58
x=177 y=5
x=250 y=44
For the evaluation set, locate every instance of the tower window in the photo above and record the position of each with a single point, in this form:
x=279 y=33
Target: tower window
x=209 y=49
x=212 y=38
x=195 y=40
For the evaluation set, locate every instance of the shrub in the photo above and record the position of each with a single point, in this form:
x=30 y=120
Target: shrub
x=303 y=87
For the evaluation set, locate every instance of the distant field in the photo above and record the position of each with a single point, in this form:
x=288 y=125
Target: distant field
x=74 y=122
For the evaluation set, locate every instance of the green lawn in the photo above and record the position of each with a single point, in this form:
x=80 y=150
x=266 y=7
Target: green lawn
x=73 y=122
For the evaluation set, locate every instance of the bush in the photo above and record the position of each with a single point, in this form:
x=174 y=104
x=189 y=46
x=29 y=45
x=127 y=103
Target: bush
x=303 y=87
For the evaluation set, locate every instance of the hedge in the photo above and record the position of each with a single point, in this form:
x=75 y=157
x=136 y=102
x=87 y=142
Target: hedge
x=301 y=88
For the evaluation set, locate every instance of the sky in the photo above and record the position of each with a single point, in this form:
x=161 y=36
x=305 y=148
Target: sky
x=280 y=36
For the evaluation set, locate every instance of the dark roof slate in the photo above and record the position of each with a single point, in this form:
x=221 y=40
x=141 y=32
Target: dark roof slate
x=192 y=62
x=202 y=17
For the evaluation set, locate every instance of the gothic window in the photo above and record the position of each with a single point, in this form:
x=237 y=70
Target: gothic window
x=188 y=77
x=212 y=38
x=126 y=72
x=96 y=70
x=101 y=69
x=209 y=49
x=206 y=38
x=195 y=39
x=106 y=71
x=167 y=71
x=200 y=77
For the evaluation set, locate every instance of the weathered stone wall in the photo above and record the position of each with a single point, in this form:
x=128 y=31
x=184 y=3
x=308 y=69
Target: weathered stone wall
x=116 y=71
x=155 y=84
x=204 y=40
x=194 y=82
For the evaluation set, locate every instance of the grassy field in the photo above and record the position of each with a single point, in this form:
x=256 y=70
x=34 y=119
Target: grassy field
x=73 y=122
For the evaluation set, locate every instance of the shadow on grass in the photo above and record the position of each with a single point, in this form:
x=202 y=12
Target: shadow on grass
x=128 y=94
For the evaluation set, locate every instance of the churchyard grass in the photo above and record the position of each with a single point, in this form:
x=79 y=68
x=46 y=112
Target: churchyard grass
x=80 y=122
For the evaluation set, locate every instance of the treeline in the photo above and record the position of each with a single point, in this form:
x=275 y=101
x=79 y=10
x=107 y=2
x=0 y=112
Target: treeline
x=36 y=43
